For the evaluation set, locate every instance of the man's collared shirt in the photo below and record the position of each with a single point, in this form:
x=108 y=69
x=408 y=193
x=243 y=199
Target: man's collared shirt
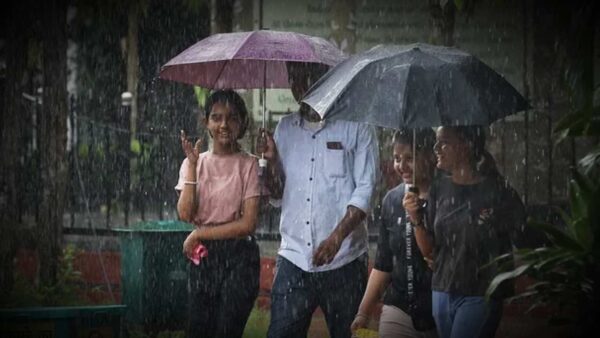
x=326 y=169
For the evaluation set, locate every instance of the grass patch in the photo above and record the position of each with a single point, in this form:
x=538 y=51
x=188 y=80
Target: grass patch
x=258 y=324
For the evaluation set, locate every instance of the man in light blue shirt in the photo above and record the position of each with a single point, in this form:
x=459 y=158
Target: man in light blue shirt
x=325 y=173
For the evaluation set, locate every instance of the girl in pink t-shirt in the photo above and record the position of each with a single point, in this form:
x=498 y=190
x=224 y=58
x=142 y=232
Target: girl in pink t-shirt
x=219 y=193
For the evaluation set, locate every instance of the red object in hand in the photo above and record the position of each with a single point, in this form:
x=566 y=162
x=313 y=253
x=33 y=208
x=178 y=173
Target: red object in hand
x=200 y=251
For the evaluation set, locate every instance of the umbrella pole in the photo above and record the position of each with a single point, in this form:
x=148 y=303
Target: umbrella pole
x=262 y=162
x=414 y=157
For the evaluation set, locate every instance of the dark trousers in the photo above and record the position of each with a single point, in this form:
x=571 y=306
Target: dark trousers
x=223 y=288
x=296 y=294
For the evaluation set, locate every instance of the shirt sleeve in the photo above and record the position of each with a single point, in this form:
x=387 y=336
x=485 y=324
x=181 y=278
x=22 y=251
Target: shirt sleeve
x=252 y=184
x=383 y=256
x=182 y=173
x=366 y=160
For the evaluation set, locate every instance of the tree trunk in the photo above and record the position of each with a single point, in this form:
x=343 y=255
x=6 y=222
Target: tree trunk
x=221 y=16
x=442 y=22
x=53 y=138
x=133 y=62
x=10 y=141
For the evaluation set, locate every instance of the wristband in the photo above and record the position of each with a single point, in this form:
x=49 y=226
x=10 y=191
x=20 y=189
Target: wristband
x=419 y=225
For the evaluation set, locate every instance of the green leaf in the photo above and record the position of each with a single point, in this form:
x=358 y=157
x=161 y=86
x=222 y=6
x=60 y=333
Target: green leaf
x=584 y=122
x=136 y=147
x=201 y=95
x=505 y=276
x=554 y=261
x=558 y=237
x=591 y=161
x=459 y=4
x=563 y=214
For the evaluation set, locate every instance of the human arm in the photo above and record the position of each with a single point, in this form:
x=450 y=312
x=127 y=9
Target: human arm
x=187 y=203
x=242 y=227
x=274 y=179
x=330 y=246
x=413 y=208
x=383 y=264
x=376 y=286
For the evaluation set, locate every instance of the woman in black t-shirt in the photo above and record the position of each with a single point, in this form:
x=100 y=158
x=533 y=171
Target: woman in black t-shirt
x=472 y=216
x=406 y=295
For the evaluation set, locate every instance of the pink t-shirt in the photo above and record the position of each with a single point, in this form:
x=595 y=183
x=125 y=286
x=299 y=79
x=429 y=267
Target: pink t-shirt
x=224 y=182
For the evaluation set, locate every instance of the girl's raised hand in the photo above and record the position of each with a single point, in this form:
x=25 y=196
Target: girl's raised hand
x=191 y=151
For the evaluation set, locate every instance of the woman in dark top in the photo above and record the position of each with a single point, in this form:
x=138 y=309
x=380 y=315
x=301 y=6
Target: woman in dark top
x=472 y=216
x=406 y=295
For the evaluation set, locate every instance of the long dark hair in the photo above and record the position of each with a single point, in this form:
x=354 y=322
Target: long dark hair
x=483 y=162
x=229 y=97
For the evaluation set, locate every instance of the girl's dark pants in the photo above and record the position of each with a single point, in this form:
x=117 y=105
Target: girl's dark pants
x=223 y=288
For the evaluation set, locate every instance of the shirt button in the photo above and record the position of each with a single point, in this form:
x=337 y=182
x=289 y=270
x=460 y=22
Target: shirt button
x=314 y=137
x=307 y=222
x=312 y=159
x=308 y=200
x=308 y=244
x=310 y=178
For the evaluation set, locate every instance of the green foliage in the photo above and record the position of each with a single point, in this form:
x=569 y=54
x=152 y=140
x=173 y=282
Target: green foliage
x=65 y=291
x=584 y=122
x=201 y=95
x=565 y=271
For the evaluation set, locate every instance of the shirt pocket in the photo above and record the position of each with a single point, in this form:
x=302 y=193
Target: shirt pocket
x=334 y=163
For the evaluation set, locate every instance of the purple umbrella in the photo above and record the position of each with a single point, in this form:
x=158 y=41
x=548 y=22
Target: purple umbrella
x=247 y=59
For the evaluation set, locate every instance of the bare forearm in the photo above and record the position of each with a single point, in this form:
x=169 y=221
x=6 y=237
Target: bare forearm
x=239 y=228
x=378 y=282
x=353 y=217
x=236 y=229
x=424 y=242
x=187 y=203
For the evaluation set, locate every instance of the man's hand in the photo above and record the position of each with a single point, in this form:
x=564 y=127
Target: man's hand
x=327 y=250
x=265 y=145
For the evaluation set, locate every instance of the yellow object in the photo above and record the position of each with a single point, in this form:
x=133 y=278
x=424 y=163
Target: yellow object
x=365 y=333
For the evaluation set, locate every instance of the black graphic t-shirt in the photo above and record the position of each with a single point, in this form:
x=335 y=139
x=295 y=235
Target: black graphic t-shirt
x=471 y=225
x=391 y=257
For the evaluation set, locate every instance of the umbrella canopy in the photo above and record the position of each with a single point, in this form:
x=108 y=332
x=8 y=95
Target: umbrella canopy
x=247 y=60
x=414 y=86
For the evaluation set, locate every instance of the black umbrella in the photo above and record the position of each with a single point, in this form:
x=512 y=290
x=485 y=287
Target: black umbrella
x=414 y=86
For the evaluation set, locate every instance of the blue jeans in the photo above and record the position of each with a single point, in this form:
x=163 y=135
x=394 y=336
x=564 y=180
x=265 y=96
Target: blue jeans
x=459 y=316
x=296 y=294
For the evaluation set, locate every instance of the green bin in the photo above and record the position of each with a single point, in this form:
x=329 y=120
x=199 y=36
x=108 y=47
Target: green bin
x=154 y=273
x=58 y=322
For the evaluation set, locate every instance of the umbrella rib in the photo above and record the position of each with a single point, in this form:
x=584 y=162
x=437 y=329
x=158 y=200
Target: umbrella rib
x=403 y=108
x=219 y=75
x=242 y=44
